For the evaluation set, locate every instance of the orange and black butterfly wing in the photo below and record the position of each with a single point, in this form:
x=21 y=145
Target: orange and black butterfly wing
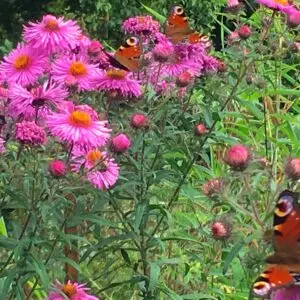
x=274 y=277
x=177 y=27
x=129 y=54
x=287 y=223
x=113 y=62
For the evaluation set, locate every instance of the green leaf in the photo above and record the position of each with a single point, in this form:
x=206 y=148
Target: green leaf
x=40 y=269
x=154 y=275
x=3 y=230
x=139 y=212
x=125 y=256
x=153 y=12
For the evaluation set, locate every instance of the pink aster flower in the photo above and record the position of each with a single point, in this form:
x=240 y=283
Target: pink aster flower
x=280 y=5
x=35 y=101
x=23 y=65
x=2 y=147
x=30 y=134
x=78 y=127
x=81 y=71
x=52 y=34
x=102 y=171
x=289 y=293
x=118 y=82
x=141 y=25
x=72 y=291
x=210 y=64
x=163 y=51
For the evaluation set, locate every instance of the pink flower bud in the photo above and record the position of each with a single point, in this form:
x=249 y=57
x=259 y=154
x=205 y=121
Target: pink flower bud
x=184 y=79
x=221 y=230
x=222 y=67
x=237 y=157
x=233 y=37
x=120 y=143
x=200 y=129
x=292 y=168
x=233 y=3
x=139 y=121
x=95 y=48
x=244 y=32
x=294 y=18
x=57 y=168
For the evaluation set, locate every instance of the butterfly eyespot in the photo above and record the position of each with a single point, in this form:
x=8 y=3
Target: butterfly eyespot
x=261 y=288
x=132 y=41
x=284 y=206
x=178 y=10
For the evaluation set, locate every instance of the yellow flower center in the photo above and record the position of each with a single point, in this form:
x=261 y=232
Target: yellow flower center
x=77 y=68
x=69 y=289
x=80 y=119
x=51 y=25
x=94 y=156
x=22 y=62
x=116 y=74
x=282 y=2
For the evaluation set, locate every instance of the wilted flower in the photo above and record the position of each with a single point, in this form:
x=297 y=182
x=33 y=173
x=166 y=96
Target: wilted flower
x=102 y=171
x=77 y=126
x=52 y=34
x=120 y=143
x=139 y=121
x=184 y=79
x=119 y=82
x=213 y=187
x=200 y=129
x=237 y=157
x=73 y=291
x=141 y=25
x=78 y=68
x=292 y=168
x=30 y=134
x=23 y=65
x=244 y=32
x=221 y=229
x=57 y=168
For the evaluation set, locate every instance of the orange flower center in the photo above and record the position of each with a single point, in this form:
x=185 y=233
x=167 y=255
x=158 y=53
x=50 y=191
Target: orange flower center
x=69 y=289
x=51 y=25
x=80 y=119
x=282 y=2
x=116 y=74
x=22 y=62
x=94 y=155
x=77 y=68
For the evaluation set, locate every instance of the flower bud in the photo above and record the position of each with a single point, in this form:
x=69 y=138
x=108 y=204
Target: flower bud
x=237 y=157
x=233 y=6
x=292 y=168
x=293 y=18
x=222 y=67
x=221 y=229
x=213 y=187
x=200 y=129
x=233 y=37
x=244 y=32
x=163 y=51
x=139 y=121
x=120 y=143
x=95 y=48
x=57 y=168
x=184 y=79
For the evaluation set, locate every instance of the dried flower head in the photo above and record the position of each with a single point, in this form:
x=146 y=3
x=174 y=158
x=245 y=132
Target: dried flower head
x=213 y=187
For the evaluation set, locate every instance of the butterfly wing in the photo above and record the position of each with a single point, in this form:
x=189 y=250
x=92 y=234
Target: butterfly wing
x=283 y=267
x=274 y=277
x=177 y=27
x=287 y=223
x=129 y=54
